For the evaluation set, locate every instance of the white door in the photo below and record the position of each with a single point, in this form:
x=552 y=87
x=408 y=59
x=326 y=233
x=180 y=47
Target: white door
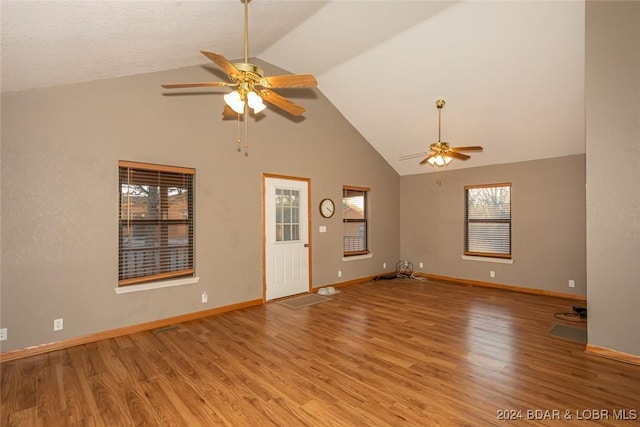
x=286 y=237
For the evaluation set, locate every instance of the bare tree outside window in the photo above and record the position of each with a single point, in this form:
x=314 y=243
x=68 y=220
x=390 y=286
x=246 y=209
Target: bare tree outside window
x=488 y=220
x=156 y=222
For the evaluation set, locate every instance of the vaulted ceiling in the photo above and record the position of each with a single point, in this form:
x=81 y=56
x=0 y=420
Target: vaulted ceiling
x=512 y=72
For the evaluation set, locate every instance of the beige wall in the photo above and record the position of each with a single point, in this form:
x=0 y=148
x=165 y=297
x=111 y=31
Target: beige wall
x=548 y=223
x=60 y=148
x=613 y=174
x=60 y=152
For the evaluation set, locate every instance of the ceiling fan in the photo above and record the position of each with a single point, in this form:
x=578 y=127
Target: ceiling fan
x=252 y=87
x=440 y=153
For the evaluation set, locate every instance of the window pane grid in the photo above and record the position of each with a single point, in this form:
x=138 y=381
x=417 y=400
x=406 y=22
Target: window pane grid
x=287 y=215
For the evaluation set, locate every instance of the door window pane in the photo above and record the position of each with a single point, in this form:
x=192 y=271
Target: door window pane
x=287 y=215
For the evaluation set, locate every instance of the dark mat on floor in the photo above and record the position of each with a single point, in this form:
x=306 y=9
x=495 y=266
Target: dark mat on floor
x=570 y=333
x=303 y=301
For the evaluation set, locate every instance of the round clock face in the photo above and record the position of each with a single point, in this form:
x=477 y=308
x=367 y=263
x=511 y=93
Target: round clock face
x=327 y=208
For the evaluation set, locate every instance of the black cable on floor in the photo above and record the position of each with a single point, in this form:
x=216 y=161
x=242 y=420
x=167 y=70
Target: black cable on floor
x=570 y=317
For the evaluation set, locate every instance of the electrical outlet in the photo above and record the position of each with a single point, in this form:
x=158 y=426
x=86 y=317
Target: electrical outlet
x=58 y=324
x=384 y=265
x=3 y=334
x=205 y=297
x=422 y=265
x=492 y=273
x=572 y=283
x=339 y=273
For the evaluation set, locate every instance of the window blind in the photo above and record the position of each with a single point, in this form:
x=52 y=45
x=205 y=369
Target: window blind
x=488 y=220
x=354 y=219
x=156 y=232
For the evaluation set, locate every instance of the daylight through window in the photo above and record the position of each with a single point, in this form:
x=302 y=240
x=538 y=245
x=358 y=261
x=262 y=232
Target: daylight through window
x=156 y=232
x=488 y=220
x=354 y=219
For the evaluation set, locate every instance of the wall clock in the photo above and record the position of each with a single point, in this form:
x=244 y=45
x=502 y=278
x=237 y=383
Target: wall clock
x=327 y=208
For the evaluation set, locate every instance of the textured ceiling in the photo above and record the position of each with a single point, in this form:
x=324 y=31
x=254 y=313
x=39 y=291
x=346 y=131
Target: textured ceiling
x=512 y=72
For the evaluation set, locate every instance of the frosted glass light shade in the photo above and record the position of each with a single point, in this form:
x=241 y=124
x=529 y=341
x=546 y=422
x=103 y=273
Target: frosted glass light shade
x=234 y=100
x=255 y=102
x=439 y=160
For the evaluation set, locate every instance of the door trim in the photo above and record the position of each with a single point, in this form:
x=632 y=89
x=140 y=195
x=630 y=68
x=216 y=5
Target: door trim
x=265 y=176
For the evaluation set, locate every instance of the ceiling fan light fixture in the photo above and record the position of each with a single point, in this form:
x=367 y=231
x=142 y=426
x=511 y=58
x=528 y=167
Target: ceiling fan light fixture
x=235 y=101
x=440 y=154
x=255 y=102
x=439 y=160
x=252 y=88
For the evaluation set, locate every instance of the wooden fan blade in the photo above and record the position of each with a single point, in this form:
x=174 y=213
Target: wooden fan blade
x=413 y=156
x=291 y=80
x=221 y=62
x=185 y=85
x=470 y=148
x=228 y=113
x=426 y=159
x=457 y=155
x=281 y=102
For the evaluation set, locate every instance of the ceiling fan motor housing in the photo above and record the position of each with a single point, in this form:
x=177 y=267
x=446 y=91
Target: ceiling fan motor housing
x=248 y=78
x=252 y=71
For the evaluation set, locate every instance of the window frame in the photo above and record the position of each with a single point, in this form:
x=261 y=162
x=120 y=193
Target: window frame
x=365 y=220
x=165 y=179
x=468 y=221
x=287 y=215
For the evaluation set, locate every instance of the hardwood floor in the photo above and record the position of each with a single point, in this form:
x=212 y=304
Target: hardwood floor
x=398 y=352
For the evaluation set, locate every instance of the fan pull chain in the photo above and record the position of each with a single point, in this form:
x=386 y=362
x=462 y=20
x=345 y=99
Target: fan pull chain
x=239 y=140
x=246 y=131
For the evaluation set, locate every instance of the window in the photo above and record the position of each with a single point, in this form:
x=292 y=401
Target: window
x=354 y=218
x=156 y=222
x=287 y=215
x=488 y=220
